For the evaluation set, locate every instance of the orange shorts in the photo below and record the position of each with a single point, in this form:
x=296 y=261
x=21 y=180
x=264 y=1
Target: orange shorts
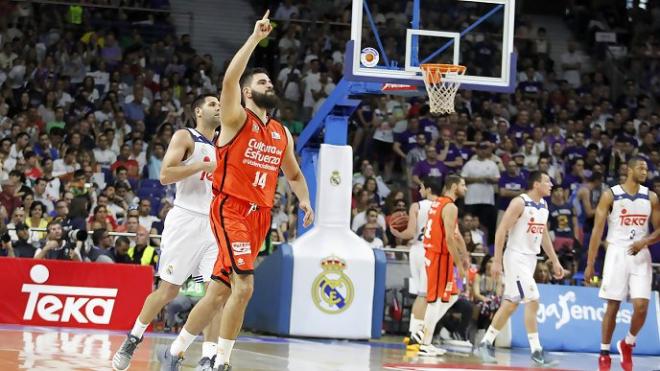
x=440 y=275
x=240 y=229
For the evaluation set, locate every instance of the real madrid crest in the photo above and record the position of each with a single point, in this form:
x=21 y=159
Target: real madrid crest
x=335 y=178
x=332 y=290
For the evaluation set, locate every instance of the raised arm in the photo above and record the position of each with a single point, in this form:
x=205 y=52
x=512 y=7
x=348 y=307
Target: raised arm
x=297 y=180
x=232 y=113
x=172 y=170
x=511 y=215
x=602 y=210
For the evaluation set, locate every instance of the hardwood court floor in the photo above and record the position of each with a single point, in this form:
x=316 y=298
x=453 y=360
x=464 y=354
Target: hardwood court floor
x=40 y=348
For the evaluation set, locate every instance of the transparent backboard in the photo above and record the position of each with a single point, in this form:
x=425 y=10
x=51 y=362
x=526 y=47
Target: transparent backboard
x=389 y=41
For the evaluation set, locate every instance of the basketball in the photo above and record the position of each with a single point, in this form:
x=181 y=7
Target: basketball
x=369 y=57
x=399 y=220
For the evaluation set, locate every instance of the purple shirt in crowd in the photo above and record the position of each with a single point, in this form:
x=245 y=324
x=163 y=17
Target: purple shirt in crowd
x=424 y=168
x=512 y=183
x=408 y=139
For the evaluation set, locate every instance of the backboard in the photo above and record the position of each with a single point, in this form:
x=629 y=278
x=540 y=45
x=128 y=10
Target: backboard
x=389 y=41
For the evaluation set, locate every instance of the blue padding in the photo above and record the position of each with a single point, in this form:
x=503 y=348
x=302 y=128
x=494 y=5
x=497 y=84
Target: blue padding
x=308 y=163
x=269 y=309
x=378 y=306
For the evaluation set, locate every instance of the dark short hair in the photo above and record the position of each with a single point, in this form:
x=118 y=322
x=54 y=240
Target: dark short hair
x=534 y=177
x=246 y=79
x=97 y=235
x=634 y=160
x=122 y=240
x=434 y=184
x=199 y=100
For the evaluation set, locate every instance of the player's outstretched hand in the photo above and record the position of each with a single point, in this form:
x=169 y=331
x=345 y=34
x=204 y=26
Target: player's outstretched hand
x=557 y=271
x=309 y=213
x=496 y=269
x=263 y=27
x=636 y=247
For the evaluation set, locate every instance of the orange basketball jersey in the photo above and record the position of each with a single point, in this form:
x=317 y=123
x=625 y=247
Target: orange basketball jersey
x=434 y=232
x=249 y=165
x=439 y=261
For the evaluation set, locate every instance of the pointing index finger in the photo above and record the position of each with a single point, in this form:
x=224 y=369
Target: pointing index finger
x=266 y=15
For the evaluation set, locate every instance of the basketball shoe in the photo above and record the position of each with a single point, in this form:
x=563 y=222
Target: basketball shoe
x=540 y=359
x=604 y=362
x=205 y=364
x=486 y=352
x=625 y=350
x=167 y=361
x=430 y=350
x=122 y=358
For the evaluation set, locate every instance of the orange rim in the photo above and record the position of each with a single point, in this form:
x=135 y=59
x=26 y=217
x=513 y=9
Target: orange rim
x=434 y=71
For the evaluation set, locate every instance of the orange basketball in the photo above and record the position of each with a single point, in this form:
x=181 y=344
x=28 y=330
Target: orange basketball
x=399 y=220
x=369 y=57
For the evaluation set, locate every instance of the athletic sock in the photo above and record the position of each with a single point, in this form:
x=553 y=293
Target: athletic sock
x=491 y=334
x=139 y=328
x=534 y=342
x=630 y=339
x=604 y=349
x=209 y=349
x=182 y=342
x=415 y=325
x=224 y=351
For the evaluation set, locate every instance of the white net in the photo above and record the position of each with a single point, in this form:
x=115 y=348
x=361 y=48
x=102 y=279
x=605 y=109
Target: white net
x=441 y=85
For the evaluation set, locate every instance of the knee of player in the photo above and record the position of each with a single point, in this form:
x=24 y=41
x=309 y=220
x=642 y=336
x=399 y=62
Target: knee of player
x=640 y=307
x=243 y=290
x=168 y=291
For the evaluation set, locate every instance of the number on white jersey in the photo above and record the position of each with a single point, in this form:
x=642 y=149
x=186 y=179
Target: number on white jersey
x=259 y=180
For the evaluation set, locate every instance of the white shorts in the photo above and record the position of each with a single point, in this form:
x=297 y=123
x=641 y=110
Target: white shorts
x=519 y=283
x=418 y=280
x=626 y=275
x=187 y=247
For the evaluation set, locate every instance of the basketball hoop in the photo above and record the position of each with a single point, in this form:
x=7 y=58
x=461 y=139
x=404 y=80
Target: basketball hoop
x=441 y=85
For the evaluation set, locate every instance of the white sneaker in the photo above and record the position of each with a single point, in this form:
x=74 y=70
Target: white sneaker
x=430 y=351
x=458 y=343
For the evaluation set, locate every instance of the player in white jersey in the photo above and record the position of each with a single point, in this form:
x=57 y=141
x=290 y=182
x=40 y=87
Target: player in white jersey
x=525 y=222
x=429 y=189
x=188 y=247
x=627 y=271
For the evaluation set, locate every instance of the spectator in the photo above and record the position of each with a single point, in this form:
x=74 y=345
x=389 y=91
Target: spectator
x=146 y=219
x=571 y=64
x=36 y=219
x=564 y=228
x=8 y=198
x=142 y=253
x=511 y=184
x=63 y=168
x=487 y=293
x=119 y=253
x=6 y=247
x=481 y=176
x=100 y=215
x=56 y=247
x=430 y=167
x=369 y=234
x=22 y=246
x=40 y=194
x=101 y=250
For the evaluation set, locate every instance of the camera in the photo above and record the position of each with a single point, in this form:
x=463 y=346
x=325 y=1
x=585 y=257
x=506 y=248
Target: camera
x=77 y=235
x=5 y=237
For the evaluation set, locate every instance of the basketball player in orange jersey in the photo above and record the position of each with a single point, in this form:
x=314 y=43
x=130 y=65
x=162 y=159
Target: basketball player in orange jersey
x=430 y=189
x=188 y=247
x=627 y=270
x=444 y=245
x=252 y=148
x=524 y=228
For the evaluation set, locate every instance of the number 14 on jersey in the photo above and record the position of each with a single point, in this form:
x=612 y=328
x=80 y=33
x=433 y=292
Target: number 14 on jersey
x=259 y=180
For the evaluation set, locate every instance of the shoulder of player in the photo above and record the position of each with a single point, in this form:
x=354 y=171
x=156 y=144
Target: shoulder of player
x=182 y=137
x=517 y=202
x=653 y=197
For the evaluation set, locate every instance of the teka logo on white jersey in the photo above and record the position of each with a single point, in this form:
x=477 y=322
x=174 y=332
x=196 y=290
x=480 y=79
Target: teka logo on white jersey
x=66 y=303
x=564 y=312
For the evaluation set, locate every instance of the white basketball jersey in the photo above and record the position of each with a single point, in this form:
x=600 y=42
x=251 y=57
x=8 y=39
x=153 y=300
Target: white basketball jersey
x=194 y=192
x=629 y=218
x=422 y=219
x=526 y=235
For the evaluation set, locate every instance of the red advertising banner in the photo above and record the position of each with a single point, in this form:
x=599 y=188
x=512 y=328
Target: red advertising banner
x=71 y=294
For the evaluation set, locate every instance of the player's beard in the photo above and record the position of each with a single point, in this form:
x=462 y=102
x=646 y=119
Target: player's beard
x=267 y=101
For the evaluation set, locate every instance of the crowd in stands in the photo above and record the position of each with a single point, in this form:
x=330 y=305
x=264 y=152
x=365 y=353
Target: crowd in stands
x=90 y=98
